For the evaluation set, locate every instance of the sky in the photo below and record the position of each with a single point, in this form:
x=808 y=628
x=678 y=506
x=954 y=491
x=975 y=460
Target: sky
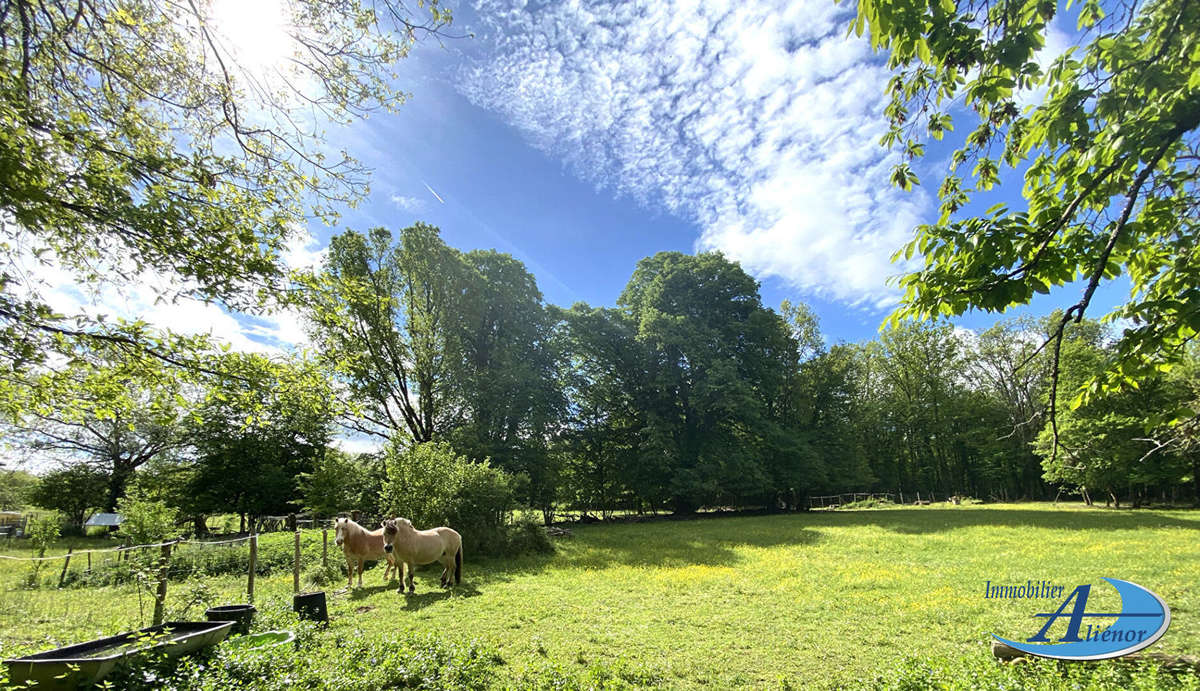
x=581 y=137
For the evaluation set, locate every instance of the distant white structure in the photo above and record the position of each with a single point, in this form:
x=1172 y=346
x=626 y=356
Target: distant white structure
x=106 y=520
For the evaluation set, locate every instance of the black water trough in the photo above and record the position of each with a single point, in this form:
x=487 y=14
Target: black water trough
x=240 y=615
x=311 y=606
x=87 y=663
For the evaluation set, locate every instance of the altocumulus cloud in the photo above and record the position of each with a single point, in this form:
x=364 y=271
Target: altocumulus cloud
x=759 y=123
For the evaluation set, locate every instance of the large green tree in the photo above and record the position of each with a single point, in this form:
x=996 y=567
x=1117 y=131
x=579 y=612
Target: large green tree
x=258 y=432
x=718 y=361
x=504 y=386
x=382 y=315
x=1107 y=153
x=75 y=490
x=1106 y=445
x=108 y=408
x=135 y=138
x=604 y=368
x=438 y=345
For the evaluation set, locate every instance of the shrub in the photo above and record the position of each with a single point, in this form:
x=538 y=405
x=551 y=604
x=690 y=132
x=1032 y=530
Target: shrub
x=145 y=521
x=528 y=536
x=42 y=530
x=431 y=485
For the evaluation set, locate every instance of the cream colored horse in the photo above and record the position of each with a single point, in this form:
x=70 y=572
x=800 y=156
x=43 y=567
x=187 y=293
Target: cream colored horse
x=361 y=545
x=413 y=547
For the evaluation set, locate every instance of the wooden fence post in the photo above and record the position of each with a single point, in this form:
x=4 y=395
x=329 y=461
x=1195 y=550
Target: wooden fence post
x=89 y=560
x=296 y=565
x=160 y=597
x=66 y=563
x=324 y=548
x=253 y=566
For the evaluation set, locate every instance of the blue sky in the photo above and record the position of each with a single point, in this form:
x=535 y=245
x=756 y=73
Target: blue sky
x=581 y=137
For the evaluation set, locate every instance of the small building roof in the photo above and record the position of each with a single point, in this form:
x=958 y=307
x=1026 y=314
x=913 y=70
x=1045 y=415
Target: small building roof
x=104 y=519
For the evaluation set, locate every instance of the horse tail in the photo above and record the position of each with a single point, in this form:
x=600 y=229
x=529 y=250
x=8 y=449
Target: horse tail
x=458 y=565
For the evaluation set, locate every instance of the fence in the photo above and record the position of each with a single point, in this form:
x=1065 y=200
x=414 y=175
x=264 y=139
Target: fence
x=834 y=501
x=120 y=588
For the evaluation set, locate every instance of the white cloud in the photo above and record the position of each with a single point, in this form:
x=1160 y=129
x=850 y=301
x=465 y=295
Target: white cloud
x=358 y=444
x=145 y=298
x=303 y=251
x=411 y=204
x=759 y=123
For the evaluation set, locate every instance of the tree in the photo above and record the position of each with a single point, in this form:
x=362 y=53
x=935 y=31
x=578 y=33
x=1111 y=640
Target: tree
x=503 y=380
x=1007 y=367
x=604 y=370
x=341 y=481
x=258 y=432
x=137 y=140
x=718 y=359
x=145 y=521
x=383 y=315
x=1103 y=445
x=1108 y=156
x=437 y=345
x=16 y=486
x=106 y=409
x=171 y=479
x=75 y=490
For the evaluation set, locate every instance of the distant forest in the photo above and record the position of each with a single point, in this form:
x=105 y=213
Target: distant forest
x=688 y=394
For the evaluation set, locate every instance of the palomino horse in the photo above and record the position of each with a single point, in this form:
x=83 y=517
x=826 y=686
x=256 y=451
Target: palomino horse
x=413 y=547
x=360 y=544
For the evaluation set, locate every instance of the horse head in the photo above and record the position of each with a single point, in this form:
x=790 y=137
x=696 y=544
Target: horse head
x=339 y=531
x=389 y=534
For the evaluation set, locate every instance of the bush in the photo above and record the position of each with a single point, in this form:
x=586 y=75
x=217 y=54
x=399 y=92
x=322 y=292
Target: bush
x=527 y=536
x=145 y=521
x=431 y=485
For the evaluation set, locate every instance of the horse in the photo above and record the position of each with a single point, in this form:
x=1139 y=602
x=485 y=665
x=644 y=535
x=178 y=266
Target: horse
x=360 y=544
x=413 y=547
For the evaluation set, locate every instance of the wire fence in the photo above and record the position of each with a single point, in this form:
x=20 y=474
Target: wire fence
x=140 y=584
x=834 y=501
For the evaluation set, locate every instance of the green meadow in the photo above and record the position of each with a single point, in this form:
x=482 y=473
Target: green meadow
x=823 y=599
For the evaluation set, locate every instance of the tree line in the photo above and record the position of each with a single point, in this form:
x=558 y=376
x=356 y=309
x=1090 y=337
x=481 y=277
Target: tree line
x=689 y=393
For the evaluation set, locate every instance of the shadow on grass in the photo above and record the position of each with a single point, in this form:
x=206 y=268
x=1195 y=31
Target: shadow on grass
x=421 y=600
x=667 y=544
x=722 y=541
x=368 y=590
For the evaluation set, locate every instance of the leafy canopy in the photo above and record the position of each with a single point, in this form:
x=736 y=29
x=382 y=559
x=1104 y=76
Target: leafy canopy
x=135 y=142
x=1107 y=153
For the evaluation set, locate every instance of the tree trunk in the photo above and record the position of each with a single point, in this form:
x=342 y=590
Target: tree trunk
x=116 y=485
x=1196 y=476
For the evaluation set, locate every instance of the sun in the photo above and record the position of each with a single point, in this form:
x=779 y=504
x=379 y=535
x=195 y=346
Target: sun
x=258 y=33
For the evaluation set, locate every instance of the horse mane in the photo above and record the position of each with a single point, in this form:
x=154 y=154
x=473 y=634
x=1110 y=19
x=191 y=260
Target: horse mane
x=348 y=522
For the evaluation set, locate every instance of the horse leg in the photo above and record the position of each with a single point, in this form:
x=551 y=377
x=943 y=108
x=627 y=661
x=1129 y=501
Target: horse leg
x=361 y=563
x=411 y=567
x=349 y=572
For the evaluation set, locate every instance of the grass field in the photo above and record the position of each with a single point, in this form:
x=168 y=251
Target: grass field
x=820 y=599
